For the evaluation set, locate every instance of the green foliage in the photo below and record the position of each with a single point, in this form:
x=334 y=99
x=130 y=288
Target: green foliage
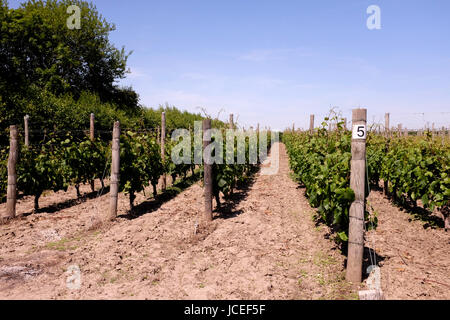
x=83 y=161
x=41 y=169
x=322 y=163
x=227 y=176
x=141 y=163
x=38 y=48
x=418 y=169
x=49 y=71
x=175 y=118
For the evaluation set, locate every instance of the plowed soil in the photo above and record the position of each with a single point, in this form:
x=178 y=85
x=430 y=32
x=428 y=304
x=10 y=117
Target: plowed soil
x=262 y=244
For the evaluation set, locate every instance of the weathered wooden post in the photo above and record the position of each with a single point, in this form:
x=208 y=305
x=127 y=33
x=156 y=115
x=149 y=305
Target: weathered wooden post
x=92 y=128
x=207 y=169
x=386 y=124
x=163 y=148
x=115 y=171
x=345 y=124
x=25 y=126
x=357 y=183
x=11 y=192
x=231 y=121
x=92 y=138
x=311 y=124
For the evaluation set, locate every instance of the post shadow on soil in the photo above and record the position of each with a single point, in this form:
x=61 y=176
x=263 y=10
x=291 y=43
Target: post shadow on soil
x=154 y=204
x=69 y=203
x=411 y=207
x=422 y=214
x=370 y=257
x=417 y=212
x=227 y=209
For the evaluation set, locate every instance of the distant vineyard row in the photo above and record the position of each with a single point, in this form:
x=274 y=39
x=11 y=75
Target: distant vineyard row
x=62 y=161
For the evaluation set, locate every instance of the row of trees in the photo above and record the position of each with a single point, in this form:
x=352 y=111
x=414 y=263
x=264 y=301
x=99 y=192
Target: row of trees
x=58 y=75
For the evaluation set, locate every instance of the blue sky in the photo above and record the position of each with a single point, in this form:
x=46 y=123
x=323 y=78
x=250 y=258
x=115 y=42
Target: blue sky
x=276 y=62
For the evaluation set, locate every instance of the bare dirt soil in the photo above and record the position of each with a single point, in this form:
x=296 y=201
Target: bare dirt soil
x=414 y=257
x=263 y=244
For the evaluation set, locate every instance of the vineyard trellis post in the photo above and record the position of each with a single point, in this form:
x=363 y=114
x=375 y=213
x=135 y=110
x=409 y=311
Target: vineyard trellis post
x=12 y=174
x=25 y=126
x=207 y=169
x=231 y=121
x=357 y=208
x=92 y=128
x=386 y=124
x=92 y=138
x=163 y=148
x=311 y=124
x=115 y=170
x=345 y=124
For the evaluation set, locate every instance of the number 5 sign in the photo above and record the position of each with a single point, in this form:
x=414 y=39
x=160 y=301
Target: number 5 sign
x=359 y=132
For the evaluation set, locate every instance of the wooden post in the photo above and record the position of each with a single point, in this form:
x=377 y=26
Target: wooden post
x=163 y=148
x=207 y=170
x=25 y=126
x=399 y=129
x=231 y=121
x=357 y=183
x=386 y=124
x=92 y=138
x=311 y=124
x=91 y=127
x=12 y=175
x=293 y=127
x=115 y=171
x=345 y=124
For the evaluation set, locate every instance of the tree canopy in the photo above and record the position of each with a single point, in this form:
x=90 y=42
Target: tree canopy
x=40 y=56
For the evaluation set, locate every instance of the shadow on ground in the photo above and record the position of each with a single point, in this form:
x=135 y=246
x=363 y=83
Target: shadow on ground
x=70 y=202
x=228 y=208
x=154 y=204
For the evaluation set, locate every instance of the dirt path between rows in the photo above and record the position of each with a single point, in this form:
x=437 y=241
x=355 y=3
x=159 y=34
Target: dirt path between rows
x=264 y=246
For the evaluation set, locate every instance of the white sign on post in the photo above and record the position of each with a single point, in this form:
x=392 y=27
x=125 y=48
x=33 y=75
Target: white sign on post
x=359 y=131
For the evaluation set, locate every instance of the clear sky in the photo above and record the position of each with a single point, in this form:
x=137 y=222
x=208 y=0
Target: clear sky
x=276 y=62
